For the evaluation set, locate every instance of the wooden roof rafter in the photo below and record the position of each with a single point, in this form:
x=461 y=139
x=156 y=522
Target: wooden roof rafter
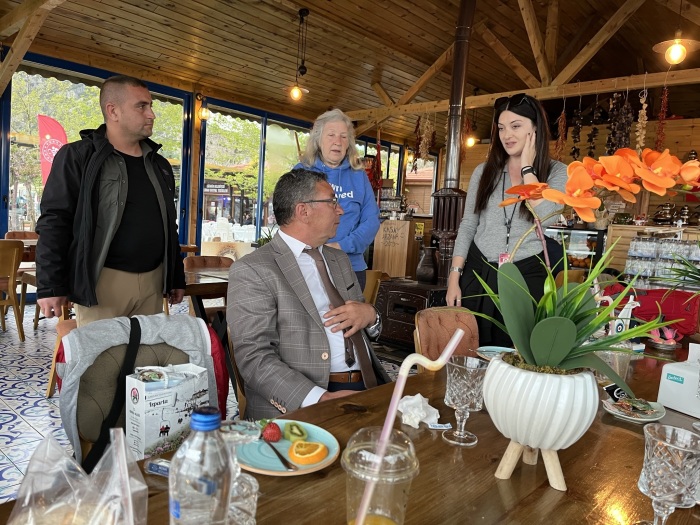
x=411 y=92
x=533 y=32
x=651 y=80
x=27 y=18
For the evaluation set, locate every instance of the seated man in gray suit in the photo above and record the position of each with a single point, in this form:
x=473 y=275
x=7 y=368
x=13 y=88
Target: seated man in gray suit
x=298 y=335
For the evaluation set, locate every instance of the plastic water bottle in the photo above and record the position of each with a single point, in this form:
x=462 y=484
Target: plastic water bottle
x=200 y=478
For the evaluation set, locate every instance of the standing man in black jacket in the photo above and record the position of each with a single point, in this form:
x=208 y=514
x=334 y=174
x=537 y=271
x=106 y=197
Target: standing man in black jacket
x=107 y=233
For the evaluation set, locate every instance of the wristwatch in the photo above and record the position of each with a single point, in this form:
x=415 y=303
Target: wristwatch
x=457 y=269
x=528 y=170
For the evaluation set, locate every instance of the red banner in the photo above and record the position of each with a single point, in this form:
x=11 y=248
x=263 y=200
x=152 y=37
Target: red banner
x=51 y=137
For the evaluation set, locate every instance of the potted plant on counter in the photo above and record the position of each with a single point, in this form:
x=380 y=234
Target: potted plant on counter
x=543 y=396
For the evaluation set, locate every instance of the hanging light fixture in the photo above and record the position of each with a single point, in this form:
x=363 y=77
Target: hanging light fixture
x=296 y=92
x=203 y=112
x=676 y=50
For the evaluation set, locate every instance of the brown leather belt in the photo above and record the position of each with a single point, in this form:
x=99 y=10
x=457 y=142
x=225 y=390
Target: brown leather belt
x=351 y=376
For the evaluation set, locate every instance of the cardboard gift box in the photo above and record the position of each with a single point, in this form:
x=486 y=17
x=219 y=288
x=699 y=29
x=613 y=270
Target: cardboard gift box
x=158 y=412
x=679 y=384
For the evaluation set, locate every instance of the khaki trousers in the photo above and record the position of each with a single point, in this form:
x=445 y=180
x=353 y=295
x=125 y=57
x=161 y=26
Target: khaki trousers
x=121 y=294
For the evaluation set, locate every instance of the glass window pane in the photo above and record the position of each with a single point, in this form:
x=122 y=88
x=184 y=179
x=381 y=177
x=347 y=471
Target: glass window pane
x=74 y=104
x=420 y=185
x=281 y=155
x=230 y=175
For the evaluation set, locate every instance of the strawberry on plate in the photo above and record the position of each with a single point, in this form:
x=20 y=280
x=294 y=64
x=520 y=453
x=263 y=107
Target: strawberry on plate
x=271 y=431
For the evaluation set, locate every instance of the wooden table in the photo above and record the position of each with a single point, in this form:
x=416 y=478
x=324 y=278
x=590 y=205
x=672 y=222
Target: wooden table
x=457 y=485
x=201 y=282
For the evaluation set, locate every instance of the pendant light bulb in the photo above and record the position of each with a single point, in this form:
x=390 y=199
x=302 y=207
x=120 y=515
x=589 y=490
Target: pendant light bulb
x=676 y=53
x=470 y=142
x=295 y=92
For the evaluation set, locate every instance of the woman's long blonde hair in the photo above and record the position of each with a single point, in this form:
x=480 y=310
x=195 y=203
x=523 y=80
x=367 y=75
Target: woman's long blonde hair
x=313 y=145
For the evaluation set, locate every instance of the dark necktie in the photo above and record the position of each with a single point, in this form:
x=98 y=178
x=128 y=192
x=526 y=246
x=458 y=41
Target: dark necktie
x=355 y=341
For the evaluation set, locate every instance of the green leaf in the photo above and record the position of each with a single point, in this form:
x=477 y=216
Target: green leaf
x=552 y=340
x=591 y=360
x=517 y=308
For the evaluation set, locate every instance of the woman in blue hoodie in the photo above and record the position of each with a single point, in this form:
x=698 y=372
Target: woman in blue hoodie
x=331 y=150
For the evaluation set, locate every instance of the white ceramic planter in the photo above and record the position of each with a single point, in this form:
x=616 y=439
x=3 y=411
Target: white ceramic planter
x=542 y=411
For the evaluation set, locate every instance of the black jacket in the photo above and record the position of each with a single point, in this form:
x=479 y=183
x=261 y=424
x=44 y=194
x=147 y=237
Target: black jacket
x=66 y=227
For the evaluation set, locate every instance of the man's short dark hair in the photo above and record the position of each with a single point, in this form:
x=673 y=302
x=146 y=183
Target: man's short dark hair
x=293 y=187
x=111 y=88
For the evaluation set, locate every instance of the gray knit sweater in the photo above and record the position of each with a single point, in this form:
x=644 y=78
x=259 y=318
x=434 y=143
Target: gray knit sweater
x=488 y=228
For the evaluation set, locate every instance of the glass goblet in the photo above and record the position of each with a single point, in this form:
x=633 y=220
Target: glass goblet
x=244 y=487
x=465 y=387
x=671 y=469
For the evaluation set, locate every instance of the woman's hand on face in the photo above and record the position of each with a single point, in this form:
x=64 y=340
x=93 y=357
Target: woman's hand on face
x=527 y=158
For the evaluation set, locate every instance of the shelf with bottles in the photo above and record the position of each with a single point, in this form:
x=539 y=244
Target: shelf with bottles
x=655 y=258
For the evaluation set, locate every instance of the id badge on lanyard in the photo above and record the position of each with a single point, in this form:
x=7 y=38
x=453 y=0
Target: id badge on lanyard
x=503 y=258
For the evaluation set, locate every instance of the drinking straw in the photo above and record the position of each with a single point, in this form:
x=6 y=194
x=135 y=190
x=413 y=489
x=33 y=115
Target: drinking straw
x=413 y=359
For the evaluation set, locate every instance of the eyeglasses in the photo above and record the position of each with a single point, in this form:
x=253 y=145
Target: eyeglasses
x=512 y=101
x=333 y=201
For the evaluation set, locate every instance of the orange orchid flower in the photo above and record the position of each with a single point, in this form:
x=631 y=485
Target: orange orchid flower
x=618 y=176
x=690 y=173
x=524 y=192
x=657 y=170
x=579 y=193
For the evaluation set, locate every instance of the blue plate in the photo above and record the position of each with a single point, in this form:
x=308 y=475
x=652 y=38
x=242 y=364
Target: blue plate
x=257 y=456
x=489 y=352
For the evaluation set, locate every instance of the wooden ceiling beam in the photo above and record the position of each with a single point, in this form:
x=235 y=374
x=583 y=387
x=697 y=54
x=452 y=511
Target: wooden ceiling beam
x=690 y=12
x=31 y=23
x=508 y=58
x=11 y=22
x=416 y=88
x=606 y=32
x=651 y=80
x=533 y=32
x=552 y=34
x=382 y=94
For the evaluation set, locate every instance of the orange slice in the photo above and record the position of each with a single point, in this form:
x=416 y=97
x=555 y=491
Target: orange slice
x=307 y=452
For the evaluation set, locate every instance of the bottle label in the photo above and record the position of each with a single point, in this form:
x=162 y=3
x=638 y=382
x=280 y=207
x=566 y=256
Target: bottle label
x=175 y=509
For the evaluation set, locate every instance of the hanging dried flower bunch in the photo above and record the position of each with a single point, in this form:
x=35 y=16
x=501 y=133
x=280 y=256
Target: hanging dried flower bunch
x=427 y=136
x=561 y=138
x=624 y=129
x=661 y=126
x=419 y=137
x=593 y=134
x=576 y=133
x=613 y=122
x=642 y=122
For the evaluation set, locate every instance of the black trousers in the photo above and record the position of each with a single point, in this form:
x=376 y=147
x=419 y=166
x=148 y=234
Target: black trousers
x=533 y=271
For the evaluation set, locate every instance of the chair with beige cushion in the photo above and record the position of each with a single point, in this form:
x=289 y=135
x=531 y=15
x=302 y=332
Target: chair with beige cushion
x=10 y=256
x=436 y=326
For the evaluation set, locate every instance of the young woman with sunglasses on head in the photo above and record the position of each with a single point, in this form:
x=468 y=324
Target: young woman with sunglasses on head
x=519 y=154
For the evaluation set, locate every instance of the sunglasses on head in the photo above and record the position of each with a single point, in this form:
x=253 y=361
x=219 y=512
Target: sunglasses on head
x=512 y=101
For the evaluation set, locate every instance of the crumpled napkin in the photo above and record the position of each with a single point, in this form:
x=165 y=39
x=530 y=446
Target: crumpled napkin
x=415 y=409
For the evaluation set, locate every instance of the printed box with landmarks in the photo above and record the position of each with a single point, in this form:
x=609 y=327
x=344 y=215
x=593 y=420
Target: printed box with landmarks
x=159 y=403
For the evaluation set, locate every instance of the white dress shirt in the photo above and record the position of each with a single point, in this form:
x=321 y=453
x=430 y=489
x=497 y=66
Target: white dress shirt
x=336 y=341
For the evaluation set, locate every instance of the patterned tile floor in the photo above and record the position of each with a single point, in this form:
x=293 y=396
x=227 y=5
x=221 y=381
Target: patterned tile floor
x=26 y=416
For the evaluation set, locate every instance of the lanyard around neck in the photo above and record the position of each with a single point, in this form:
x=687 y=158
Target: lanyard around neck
x=508 y=222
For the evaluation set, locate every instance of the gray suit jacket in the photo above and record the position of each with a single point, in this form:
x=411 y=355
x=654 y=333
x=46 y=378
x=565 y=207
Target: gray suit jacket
x=279 y=342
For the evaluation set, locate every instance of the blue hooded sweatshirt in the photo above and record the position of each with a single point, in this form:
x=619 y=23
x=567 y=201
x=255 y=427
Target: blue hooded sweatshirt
x=360 y=223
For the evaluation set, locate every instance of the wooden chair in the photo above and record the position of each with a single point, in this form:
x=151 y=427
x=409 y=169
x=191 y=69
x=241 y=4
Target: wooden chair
x=28 y=255
x=10 y=256
x=574 y=276
x=213 y=262
x=436 y=326
x=240 y=384
x=374 y=277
